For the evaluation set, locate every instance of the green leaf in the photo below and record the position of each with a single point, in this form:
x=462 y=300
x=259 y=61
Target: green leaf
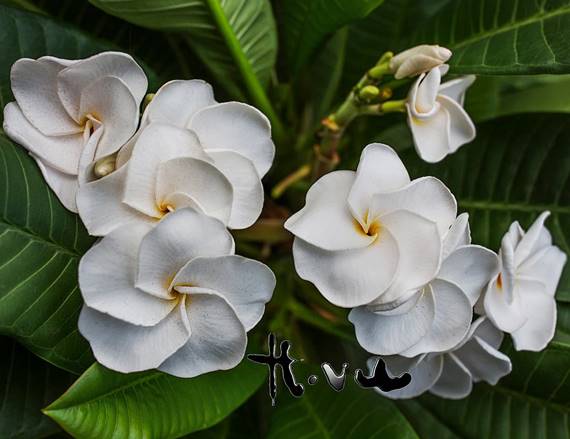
x=306 y=23
x=27 y=385
x=323 y=413
x=40 y=246
x=503 y=37
x=236 y=39
x=533 y=401
x=106 y=404
x=494 y=96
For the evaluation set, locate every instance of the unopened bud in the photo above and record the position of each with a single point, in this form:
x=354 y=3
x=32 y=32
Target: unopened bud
x=369 y=93
x=147 y=99
x=418 y=60
x=104 y=166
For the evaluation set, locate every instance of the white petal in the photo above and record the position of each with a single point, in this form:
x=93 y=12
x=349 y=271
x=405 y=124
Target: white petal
x=454 y=381
x=532 y=241
x=348 y=278
x=110 y=102
x=34 y=84
x=60 y=152
x=427 y=91
x=177 y=101
x=392 y=333
x=245 y=283
x=483 y=329
x=217 y=342
x=198 y=179
x=156 y=144
x=456 y=88
x=379 y=170
x=483 y=361
x=458 y=235
x=64 y=185
x=236 y=127
x=179 y=237
x=540 y=311
x=452 y=320
x=426 y=196
x=461 y=127
x=419 y=247
x=247 y=188
x=506 y=316
x=326 y=221
x=544 y=266
x=425 y=372
x=130 y=348
x=431 y=134
x=101 y=207
x=107 y=274
x=470 y=267
x=75 y=79
x=508 y=267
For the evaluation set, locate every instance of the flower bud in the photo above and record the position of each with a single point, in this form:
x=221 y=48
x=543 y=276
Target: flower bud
x=417 y=60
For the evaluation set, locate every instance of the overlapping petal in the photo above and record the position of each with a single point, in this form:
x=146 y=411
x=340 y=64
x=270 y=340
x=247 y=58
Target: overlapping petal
x=179 y=237
x=217 y=340
x=237 y=127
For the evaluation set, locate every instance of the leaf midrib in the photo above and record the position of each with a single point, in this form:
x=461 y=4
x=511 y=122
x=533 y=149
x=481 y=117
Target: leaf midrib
x=136 y=382
x=540 y=16
x=493 y=205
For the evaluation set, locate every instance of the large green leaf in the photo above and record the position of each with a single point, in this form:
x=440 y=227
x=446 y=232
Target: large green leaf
x=502 y=37
x=495 y=96
x=321 y=412
x=236 y=39
x=26 y=385
x=532 y=402
x=306 y=23
x=106 y=404
x=40 y=246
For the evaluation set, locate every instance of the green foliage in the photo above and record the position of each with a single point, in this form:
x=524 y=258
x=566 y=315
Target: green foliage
x=306 y=23
x=106 y=404
x=40 y=246
x=28 y=384
x=352 y=414
x=517 y=167
x=495 y=96
x=502 y=37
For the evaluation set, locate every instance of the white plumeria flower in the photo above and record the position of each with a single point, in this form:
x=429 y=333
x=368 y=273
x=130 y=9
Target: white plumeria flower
x=172 y=297
x=451 y=374
x=438 y=316
x=189 y=151
x=371 y=234
x=520 y=300
x=418 y=59
x=69 y=114
x=436 y=117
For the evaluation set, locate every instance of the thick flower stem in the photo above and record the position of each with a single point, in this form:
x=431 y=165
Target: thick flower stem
x=367 y=93
x=296 y=176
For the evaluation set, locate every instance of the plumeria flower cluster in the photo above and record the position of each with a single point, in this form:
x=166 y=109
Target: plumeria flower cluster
x=394 y=251
x=162 y=288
